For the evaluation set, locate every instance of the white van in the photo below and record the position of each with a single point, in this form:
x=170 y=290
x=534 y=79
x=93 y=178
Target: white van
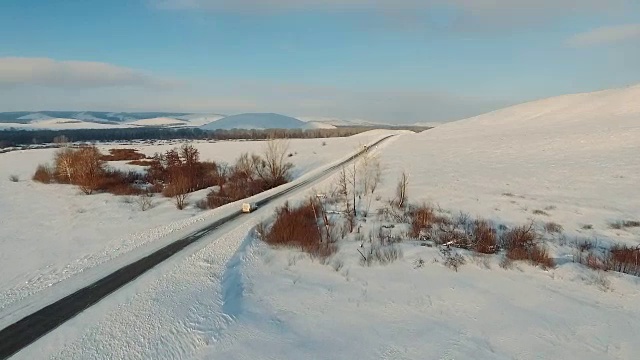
x=249 y=207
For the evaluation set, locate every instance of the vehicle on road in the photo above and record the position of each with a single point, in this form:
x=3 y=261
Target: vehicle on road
x=249 y=207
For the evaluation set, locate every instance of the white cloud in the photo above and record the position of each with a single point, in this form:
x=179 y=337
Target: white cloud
x=16 y=71
x=606 y=35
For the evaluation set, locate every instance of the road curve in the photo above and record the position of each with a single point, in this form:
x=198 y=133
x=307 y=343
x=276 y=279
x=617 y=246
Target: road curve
x=22 y=333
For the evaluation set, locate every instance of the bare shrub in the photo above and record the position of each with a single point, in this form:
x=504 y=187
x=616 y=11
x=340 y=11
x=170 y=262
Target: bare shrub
x=381 y=254
x=451 y=259
x=122 y=154
x=401 y=190
x=591 y=259
x=14 y=178
x=424 y=218
x=624 y=259
x=298 y=227
x=120 y=183
x=520 y=243
x=273 y=169
x=619 y=225
x=61 y=139
x=553 y=227
x=145 y=201
x=540 y=212
x=587 y=227
x=484 y=237
x=43 y=174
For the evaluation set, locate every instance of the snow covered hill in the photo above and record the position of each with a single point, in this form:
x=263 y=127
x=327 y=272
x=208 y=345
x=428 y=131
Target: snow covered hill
x=575 y=154
x=159 y=122
x=256 y=121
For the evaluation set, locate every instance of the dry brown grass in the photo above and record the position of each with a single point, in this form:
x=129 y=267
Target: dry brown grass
x=122 y=154
x=540 y=212
x=43 y=174
x=619 y=225
x=298 y=227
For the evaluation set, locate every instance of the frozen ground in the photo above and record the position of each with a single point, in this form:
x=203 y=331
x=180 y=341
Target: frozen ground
x=49 y=233
x=573 y=157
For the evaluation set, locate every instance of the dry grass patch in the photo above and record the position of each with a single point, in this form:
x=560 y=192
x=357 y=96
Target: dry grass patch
x=44 y=174
x=540 y=212
x=623 y=224
x=553 y=227
x=122 y=154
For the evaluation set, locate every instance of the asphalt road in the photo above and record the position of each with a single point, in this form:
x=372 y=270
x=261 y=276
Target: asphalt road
x=24 y=332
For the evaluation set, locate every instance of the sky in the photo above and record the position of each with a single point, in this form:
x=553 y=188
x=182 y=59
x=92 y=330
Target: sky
x=396 y=61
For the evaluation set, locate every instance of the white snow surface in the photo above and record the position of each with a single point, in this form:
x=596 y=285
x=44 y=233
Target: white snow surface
x=232 y=297
x=159 y=121
x=35 y=116
x=51 y=233
x=575 y=155
x=60 y=124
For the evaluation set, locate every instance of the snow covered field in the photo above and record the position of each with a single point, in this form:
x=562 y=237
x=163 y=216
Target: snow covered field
x=49 y=233
x=571 y=160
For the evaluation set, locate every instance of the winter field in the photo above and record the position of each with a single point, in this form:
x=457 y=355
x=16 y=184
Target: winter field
x=571 y=161
x=50 y=233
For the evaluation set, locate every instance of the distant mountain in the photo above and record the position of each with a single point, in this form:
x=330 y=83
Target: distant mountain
x=256 y=121
x=209 y=121
x=339 y=121
x=102 y=117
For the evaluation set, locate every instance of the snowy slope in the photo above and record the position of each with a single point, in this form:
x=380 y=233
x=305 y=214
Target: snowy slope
x=158 y=122
x=200 y=119
x=35 y=116
x=338 y=121
x=60 y=124
x=575 y=154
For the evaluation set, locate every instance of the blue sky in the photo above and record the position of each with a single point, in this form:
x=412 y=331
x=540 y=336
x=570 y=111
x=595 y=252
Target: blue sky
x=399 y=61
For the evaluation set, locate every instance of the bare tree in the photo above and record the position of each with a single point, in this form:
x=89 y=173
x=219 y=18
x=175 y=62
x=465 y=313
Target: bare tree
x=89 y=169
x=371 y=174
x=273 y=168
x=61 y=139
x=343 y=190
x=353 y=181
x=179 y=188
x=401 y=190
x=64 y=164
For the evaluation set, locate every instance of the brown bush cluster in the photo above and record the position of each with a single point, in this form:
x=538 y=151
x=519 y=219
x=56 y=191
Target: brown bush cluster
x=85 y=168
x=521 y=244
x=251 y=175
x=299 y=227
x=122 y=154
x=423 y=218
x=620 y=258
